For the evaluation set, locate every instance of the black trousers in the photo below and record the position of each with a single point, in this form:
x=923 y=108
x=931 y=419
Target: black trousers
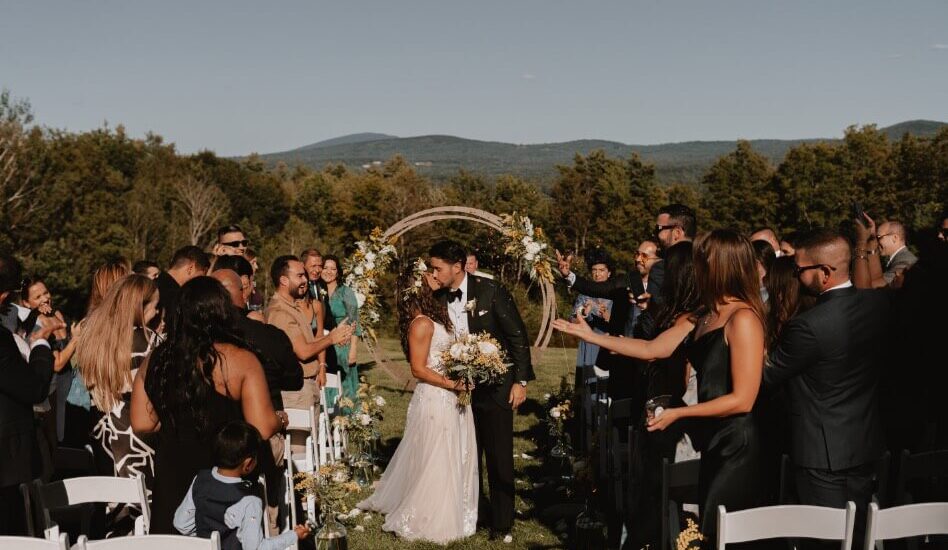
x=493 y=426
x=819 y=487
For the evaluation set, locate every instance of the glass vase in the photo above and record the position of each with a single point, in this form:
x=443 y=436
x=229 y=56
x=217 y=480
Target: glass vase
x=590 y=529
x=332 y=535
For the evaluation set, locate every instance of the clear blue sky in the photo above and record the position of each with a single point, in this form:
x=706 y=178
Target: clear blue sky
x=243 y=76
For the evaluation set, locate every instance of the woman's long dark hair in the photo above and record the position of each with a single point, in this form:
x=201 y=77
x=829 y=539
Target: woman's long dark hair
x=680 y=293
x=413 y=301
x=786 y=300
x=179 y=378
x=726 y=268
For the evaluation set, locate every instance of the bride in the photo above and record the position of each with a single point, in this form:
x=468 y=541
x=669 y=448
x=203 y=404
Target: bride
x=429 y=490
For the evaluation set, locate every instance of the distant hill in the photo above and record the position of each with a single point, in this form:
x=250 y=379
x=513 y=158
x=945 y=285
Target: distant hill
x=440 y=157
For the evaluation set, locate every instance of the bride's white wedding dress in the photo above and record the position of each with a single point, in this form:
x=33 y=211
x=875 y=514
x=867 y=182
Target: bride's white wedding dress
x=429 y=490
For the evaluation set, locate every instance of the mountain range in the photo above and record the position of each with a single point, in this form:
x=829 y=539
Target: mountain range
x=441 y=156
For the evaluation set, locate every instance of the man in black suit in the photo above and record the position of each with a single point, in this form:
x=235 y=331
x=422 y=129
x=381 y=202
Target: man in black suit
x=829 y=357
x=187 y=263
x=476 y=304
x=23 y=383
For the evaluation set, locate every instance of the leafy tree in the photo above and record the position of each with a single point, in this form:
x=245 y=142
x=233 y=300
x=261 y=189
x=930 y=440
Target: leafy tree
x=738 y=191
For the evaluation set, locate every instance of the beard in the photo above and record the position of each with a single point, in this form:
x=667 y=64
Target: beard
x=298 y=292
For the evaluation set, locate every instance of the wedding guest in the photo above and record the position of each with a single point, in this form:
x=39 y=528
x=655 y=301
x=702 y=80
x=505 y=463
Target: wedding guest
x=344 y=308
x=788 y=244
x=765 y=259
x=286 y=313
x=596 y=311
x=243 y=269
x=726 y=348
x=892 y=245
x=187 y=263
x=768 y=236
x=201 y=377
x=829 y=357
x=114 y=343
x=25 y=382
x=79 y=415
x=231 y=241
x=220 y=499
x=147 y=268
x=255 y=302
x=471 y=266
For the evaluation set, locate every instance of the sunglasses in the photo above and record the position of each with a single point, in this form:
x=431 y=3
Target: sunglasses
x=235 y=244
x=879 y=237
x=660 y=228
x=798 y=270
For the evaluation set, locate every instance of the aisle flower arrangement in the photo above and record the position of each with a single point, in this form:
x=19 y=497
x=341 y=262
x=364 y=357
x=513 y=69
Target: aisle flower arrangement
x=371 y=258
x=527 y=244
x=474 y=359
x=330 y=485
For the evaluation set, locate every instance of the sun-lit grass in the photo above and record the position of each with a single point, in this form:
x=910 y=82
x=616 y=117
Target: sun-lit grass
x=529 y=531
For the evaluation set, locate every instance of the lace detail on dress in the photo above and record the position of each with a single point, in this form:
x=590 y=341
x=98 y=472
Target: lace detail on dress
x=429 y=490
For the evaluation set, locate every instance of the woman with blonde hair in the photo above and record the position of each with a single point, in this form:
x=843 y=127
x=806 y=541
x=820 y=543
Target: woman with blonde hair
x=114 y=342
x=79 y=418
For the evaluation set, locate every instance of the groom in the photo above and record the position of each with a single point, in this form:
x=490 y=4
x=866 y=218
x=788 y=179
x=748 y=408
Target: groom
x=476 y=304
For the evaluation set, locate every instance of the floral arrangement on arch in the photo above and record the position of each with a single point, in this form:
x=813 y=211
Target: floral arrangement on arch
x=371 y=258
x=527 y=244
x=330 y=485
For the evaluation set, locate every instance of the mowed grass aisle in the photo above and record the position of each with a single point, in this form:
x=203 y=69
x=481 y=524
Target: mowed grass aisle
x=529 y=532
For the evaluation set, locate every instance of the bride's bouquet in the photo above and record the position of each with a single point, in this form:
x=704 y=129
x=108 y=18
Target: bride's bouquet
x=474 y=359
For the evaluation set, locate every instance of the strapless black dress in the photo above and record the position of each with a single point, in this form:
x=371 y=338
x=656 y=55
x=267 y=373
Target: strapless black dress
x=730 y=446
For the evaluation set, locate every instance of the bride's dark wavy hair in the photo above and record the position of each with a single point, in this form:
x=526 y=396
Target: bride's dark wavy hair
x=179 y=370
x=412 y=302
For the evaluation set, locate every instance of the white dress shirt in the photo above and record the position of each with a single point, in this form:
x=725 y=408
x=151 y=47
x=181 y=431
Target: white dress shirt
x=457 y=311
x=847 y=284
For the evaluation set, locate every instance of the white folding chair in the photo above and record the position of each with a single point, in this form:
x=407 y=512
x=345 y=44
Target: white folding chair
x=98 y=489
x=152 y=542
x=30 y=543
x=771 y=522
x=303 y=420
x=912 y=520
x=289 y=496
x=324 y=440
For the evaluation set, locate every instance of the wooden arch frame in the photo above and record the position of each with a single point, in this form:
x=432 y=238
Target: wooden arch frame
x=495 y=222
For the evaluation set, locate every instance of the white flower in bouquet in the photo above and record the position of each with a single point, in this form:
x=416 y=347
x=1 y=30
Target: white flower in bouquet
x=555 y=412
x=360 y=298
x=365 y=419
x=370 y=257
x=528 y=226
x=487 y=348
x=457 y=350
x=369 y=265
x=358 y=270
x=526 y=241
x=340 y=476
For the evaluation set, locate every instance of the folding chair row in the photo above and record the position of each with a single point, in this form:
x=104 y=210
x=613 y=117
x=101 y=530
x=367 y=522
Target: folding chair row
x=817 y=522
x=152 y=542
x=32 y=543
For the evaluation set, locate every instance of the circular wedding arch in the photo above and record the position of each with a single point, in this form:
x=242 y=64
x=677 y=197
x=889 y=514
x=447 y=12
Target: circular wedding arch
x=495 y=222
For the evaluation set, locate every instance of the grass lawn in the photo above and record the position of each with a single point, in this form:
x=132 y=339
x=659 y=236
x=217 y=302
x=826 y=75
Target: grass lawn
x=529 y=531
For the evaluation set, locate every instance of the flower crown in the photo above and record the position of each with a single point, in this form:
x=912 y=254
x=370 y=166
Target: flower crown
x=418 y=279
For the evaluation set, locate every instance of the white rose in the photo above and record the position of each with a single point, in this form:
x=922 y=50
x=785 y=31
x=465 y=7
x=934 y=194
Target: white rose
x=365 y=419
x=555 y=413
x=457 y=350
x=534 y=248
x=358 y=270
x=379 y=401
x=370 y=265
x=529 y=257
x=547 y=396
x=360 y=298
x=370 y=256
x=526 y=241
x=487 y=348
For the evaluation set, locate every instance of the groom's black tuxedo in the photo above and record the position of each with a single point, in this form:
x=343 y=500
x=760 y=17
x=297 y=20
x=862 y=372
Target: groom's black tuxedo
x=493 y=310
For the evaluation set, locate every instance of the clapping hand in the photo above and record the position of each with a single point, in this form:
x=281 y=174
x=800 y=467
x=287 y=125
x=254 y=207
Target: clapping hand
x=49 y=325
x=563 y=263
x=341 y=334
x=865 y=229
x=578 y=327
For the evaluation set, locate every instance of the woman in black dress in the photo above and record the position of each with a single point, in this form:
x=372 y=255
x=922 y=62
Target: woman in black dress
x=724 y=341
x=201 y=377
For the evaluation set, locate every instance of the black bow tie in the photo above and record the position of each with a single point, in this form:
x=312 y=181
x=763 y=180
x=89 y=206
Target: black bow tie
x=455 y=295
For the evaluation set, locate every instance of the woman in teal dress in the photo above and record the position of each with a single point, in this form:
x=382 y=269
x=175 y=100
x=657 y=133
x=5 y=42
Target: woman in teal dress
x=343 y=306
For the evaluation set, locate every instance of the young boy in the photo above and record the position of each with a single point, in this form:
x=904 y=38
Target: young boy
x=220 y=500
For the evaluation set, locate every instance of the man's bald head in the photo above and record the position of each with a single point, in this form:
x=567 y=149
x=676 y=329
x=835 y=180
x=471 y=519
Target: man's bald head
x=231 y=283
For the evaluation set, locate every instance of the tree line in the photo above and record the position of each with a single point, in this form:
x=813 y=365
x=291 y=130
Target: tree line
x=71 y=200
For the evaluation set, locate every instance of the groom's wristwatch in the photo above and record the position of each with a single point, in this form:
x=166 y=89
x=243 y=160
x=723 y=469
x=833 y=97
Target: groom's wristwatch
x=523 y=383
